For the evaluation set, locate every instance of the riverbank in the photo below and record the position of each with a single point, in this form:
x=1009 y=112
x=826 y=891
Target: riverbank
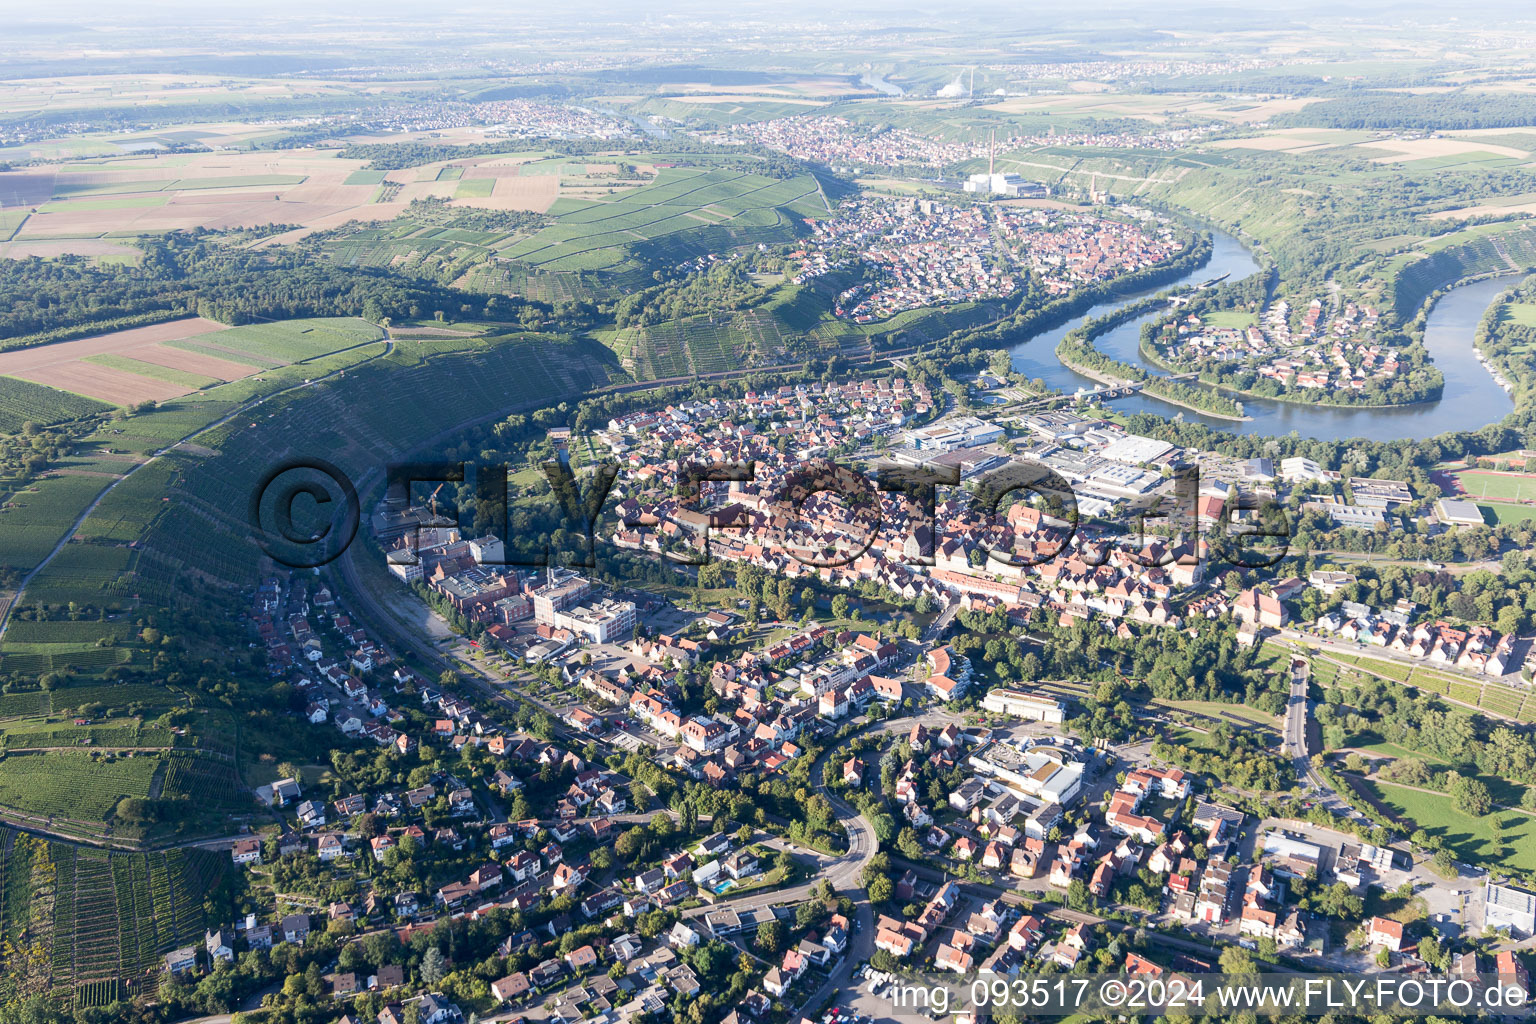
x=1470 y=399
x=1149 y=353
x=1175 y=392
x=1141 y=385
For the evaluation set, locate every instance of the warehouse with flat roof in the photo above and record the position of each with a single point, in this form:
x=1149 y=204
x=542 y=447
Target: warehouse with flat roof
x=1506 y=908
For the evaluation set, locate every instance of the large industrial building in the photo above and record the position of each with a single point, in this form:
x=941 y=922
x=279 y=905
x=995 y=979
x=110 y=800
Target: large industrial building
x=1507 y=908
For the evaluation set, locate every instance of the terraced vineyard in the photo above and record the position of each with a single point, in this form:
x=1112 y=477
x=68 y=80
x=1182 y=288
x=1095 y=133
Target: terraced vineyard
x=1481 y=255
x=549 y=286
x=205 y=780
x=1495 y=697
x=726 y=341
x=108 y=917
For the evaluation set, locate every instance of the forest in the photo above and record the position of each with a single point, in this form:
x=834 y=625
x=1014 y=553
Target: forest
x=194 y=272
x=1399 y=110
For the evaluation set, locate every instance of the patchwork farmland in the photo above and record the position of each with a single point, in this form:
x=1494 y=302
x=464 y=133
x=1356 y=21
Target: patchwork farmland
x=169 y=360
x=97 y=208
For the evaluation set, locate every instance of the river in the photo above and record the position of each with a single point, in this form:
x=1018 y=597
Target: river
x=1471 y=399
x=879 y=84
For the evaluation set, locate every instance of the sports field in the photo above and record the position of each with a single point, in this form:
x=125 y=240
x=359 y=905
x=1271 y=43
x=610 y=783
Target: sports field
x=1477 y=483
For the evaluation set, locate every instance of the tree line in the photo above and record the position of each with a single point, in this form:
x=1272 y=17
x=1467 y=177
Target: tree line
x=184 y=273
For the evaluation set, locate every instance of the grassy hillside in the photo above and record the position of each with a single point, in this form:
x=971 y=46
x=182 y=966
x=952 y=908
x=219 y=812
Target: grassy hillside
x=684 y=213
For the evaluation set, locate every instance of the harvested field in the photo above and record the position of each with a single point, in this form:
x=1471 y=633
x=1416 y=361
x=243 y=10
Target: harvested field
x=62 y=365
x=47 y=249
x=1289 y=140
x=103 y=383
x=535 y=193
x=121 y=342
x=84 y=207
x=192 y=362
x=1404 y=150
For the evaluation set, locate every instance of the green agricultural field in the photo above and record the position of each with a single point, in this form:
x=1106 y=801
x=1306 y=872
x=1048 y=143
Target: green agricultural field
x=206 y=781
x=169 y=374
x=535 y=168
x=235 y=181
x=11 y=222
x=106 y=733
x=1389 y=669
x=365 y=178
x=115 y=188
x=22 y=401
x=683 y=213
x=109 y=916
x=64 y=631
x=453 y=172
x=287 y=341
x=475 y=188
x=89 y=205
x=33 y=518
x=115 y=698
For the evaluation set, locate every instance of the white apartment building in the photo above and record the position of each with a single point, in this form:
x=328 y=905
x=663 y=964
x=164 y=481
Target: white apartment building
x=1032 y=706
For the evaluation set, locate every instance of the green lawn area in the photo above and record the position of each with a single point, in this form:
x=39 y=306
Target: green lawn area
x=11 y=221
x=1523 y=313
x=87 y=205
x=1467 y=837
x=1390 y=749
x=1229 y=318
x=1218 y=710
